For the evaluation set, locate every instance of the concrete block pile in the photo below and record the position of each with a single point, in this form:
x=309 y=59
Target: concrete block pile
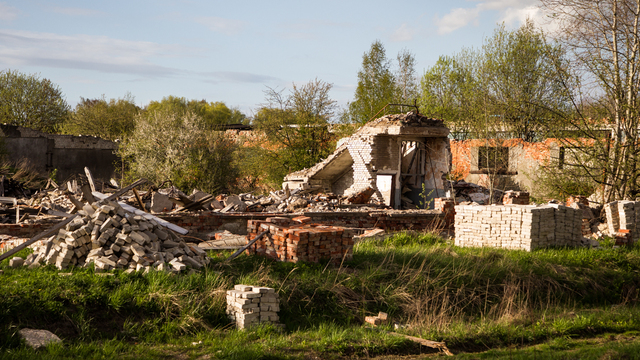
x=252 y=305
x=292 y=241
x=112 y=238
x=517 y=227
x=623 y=215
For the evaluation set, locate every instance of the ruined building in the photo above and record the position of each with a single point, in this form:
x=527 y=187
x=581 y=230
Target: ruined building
x=402 y=157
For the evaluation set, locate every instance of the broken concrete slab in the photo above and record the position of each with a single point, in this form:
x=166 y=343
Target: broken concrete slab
x=38 y=338
x=160 y=203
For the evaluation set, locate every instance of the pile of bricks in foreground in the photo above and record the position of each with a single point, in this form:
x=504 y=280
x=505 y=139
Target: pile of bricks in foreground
x=517 y=227
x=113 y=238
x=293 y=240
x=623 y=220
x=252 y=305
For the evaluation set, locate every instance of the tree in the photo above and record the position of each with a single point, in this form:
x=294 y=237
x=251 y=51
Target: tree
x=603 y=39
x=213 y=114
x=111 y=120
x=376 y=86
x=406 y=80
x=180 y=148
x=27 y=100
x=296 y=128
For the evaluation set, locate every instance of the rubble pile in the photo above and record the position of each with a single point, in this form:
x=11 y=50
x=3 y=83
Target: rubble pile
x=517 y=227
x=112 y=238
x=463 y=192
x=292 y=240
x=252 y=305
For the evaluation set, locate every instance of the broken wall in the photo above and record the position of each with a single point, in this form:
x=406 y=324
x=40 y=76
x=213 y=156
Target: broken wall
x=521 y=168
x=66 y=153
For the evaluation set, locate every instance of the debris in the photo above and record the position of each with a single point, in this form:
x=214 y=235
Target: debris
x=38 y=338
x=381 y=319
x=361 y=197
x=160 y=203
x=432 y=344
x=16 y=262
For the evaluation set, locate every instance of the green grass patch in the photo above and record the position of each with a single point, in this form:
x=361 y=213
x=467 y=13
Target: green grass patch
x=473 y=299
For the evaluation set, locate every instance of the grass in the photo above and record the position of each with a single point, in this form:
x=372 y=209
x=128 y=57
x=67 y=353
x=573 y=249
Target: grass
x=483 y=303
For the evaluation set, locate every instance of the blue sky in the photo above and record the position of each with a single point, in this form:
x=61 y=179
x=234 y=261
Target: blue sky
x=228 y=51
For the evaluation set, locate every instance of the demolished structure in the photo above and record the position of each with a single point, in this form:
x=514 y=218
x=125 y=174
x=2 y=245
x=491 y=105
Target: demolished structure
x=402 y=158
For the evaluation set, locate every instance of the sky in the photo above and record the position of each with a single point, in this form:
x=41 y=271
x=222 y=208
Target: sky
x=233 y=51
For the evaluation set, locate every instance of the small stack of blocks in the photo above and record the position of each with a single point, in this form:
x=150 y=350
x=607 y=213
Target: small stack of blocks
x=624 y=215
x=251 y=305
x=523 y=227
x=292 y=240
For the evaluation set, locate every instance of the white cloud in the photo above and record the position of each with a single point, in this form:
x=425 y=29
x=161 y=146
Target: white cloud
x=7 y=13
x=76 y=11
x=403 y=33
x=98 y=53
x=512 y=12
x=456 y=19
x=221 y=25
x=237 y=77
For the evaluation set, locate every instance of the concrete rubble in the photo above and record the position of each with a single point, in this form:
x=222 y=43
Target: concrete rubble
x=111 y=238
x=252 y=305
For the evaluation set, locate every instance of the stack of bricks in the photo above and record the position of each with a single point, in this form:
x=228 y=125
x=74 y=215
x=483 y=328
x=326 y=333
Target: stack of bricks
x=292 y=240
x=515 y=198
x=252 y=305
x=522 y=227
x=623 y=215
x=447 y=206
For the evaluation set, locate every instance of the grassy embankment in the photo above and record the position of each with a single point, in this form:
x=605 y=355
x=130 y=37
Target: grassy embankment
x=513 y=304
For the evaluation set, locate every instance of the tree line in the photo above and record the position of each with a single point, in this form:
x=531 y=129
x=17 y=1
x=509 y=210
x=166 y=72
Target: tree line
x=523 y=82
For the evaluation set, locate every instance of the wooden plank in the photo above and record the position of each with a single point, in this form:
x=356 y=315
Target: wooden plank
x=242 y=249
x=46 y=233
x=129 y=208
x=123 y=190
x=432 y=344
x=90 y=178
x=197 y=204
x=139 y=200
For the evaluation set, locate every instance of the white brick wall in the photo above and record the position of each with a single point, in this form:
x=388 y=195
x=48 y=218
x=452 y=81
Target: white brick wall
x=517 y=227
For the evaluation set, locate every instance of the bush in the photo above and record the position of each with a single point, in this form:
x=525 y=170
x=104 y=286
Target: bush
x=180 y=148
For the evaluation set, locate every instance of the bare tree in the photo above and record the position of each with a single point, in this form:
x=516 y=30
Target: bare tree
x=603 y=38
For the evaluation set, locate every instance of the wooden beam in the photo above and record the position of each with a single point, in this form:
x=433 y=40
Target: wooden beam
x=90 y=178
x=242 y=249
x=122 y=191
x=432 y=344
x=46 y=233
x=139 y=200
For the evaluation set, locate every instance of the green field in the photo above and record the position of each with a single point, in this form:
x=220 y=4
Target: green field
x=483 y=303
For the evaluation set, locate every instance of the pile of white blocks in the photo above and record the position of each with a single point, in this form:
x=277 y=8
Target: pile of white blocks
x=623 y=215
x=113 y=238
x=251 y=305
x=517 y=227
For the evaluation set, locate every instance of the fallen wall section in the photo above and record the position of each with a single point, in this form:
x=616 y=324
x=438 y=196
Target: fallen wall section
x=517 y=227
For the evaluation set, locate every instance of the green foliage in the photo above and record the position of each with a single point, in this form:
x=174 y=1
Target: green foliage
x=376 y=85
x=27 y=100
x=213 y=113
x=296 y=129
x=510 y=84
x=180 y=148
x=111 y=120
